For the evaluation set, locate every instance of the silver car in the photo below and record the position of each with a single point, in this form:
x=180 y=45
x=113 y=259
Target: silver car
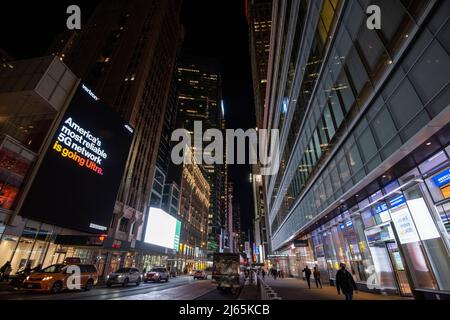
x=124 y=276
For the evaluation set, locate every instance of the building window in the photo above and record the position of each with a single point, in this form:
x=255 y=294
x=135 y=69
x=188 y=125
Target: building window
x=123 y=226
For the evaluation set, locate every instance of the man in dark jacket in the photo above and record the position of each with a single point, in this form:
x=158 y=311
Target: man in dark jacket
x=345 y=282
x=307 y=272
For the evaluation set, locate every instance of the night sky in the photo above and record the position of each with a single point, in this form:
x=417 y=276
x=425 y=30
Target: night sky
x=216 y=29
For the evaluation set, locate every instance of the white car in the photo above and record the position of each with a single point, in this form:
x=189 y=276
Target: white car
x=199 y=274
x=157 y=275
x=124 y=276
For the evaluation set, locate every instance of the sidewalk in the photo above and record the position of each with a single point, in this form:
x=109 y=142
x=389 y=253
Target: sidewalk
x=250 y=291
x=297 y=289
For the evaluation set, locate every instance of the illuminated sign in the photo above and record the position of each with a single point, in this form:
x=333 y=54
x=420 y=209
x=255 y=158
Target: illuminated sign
x=381 y=208
x=89 y=92
x=442 y=178
x=162 y=229
x=78 y=179
x=80 y=145
x=397 y=201
x=404 y=225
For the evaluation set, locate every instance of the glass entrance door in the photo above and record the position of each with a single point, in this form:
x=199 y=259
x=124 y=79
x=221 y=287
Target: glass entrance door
x=399 y=269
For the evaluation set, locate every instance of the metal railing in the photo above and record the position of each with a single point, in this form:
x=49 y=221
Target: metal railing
x=265 y=291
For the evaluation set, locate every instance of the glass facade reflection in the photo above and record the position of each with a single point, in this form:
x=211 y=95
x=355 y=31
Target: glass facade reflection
x=357 y=107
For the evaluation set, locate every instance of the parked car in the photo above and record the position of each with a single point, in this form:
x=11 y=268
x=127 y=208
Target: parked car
x=199 y=274
x=157 y=274
x=55 y=278
x=124 y=276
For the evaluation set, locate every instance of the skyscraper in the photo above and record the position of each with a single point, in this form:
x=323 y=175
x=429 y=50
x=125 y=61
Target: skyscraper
x=126 y=55
x=363 y=119
x=259 y=18
x=200 y=99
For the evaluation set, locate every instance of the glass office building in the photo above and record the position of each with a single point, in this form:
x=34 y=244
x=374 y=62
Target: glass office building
x=364 y=122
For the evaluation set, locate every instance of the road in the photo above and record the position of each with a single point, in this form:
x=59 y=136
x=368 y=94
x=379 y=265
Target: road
x=181 y=288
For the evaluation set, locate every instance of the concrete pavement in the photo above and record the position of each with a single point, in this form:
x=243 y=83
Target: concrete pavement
x=297 y=289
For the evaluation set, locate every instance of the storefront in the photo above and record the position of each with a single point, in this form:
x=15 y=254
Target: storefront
x=39 y=244
x=397 y=239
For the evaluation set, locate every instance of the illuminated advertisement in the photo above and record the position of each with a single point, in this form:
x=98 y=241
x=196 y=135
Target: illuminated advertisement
x=77 y=182
x=405 y=226
x=442 y=180
x=162 y=229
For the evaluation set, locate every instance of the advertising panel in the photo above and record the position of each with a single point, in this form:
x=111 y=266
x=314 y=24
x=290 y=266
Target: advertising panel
x=162 y=229
x=77 y=182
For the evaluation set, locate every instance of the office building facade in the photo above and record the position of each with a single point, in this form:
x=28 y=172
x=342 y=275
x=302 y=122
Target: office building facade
x=363 y=117
x=259 y=18
x=126 y=54
x=200 y=100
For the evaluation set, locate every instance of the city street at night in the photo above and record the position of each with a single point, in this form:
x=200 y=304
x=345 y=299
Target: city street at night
x=225 y=158
x=180 y=288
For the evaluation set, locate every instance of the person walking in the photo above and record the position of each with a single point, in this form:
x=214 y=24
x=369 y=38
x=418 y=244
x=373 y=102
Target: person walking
x=5 y=270
x=263 y=273
x=345 y=282
x=307 y=272
x=316 y=274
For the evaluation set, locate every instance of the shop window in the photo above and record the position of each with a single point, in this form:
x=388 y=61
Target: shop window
x=404 y=104
x=433 y=162
x=438 y=185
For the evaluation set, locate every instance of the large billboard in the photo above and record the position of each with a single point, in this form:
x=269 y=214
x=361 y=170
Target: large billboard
x=162 y=229
x=77 y=182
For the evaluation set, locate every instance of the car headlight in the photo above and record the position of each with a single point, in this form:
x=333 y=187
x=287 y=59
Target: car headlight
x=47 y=278
x=156 y=274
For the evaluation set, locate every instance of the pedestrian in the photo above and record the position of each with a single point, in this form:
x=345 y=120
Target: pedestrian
x=345 y=282
x=263 y=272
x=316 y=274
x=307 y=272
x=5 y=270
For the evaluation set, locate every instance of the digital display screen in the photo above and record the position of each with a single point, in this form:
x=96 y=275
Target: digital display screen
x=162 y=229
x=77 y=182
